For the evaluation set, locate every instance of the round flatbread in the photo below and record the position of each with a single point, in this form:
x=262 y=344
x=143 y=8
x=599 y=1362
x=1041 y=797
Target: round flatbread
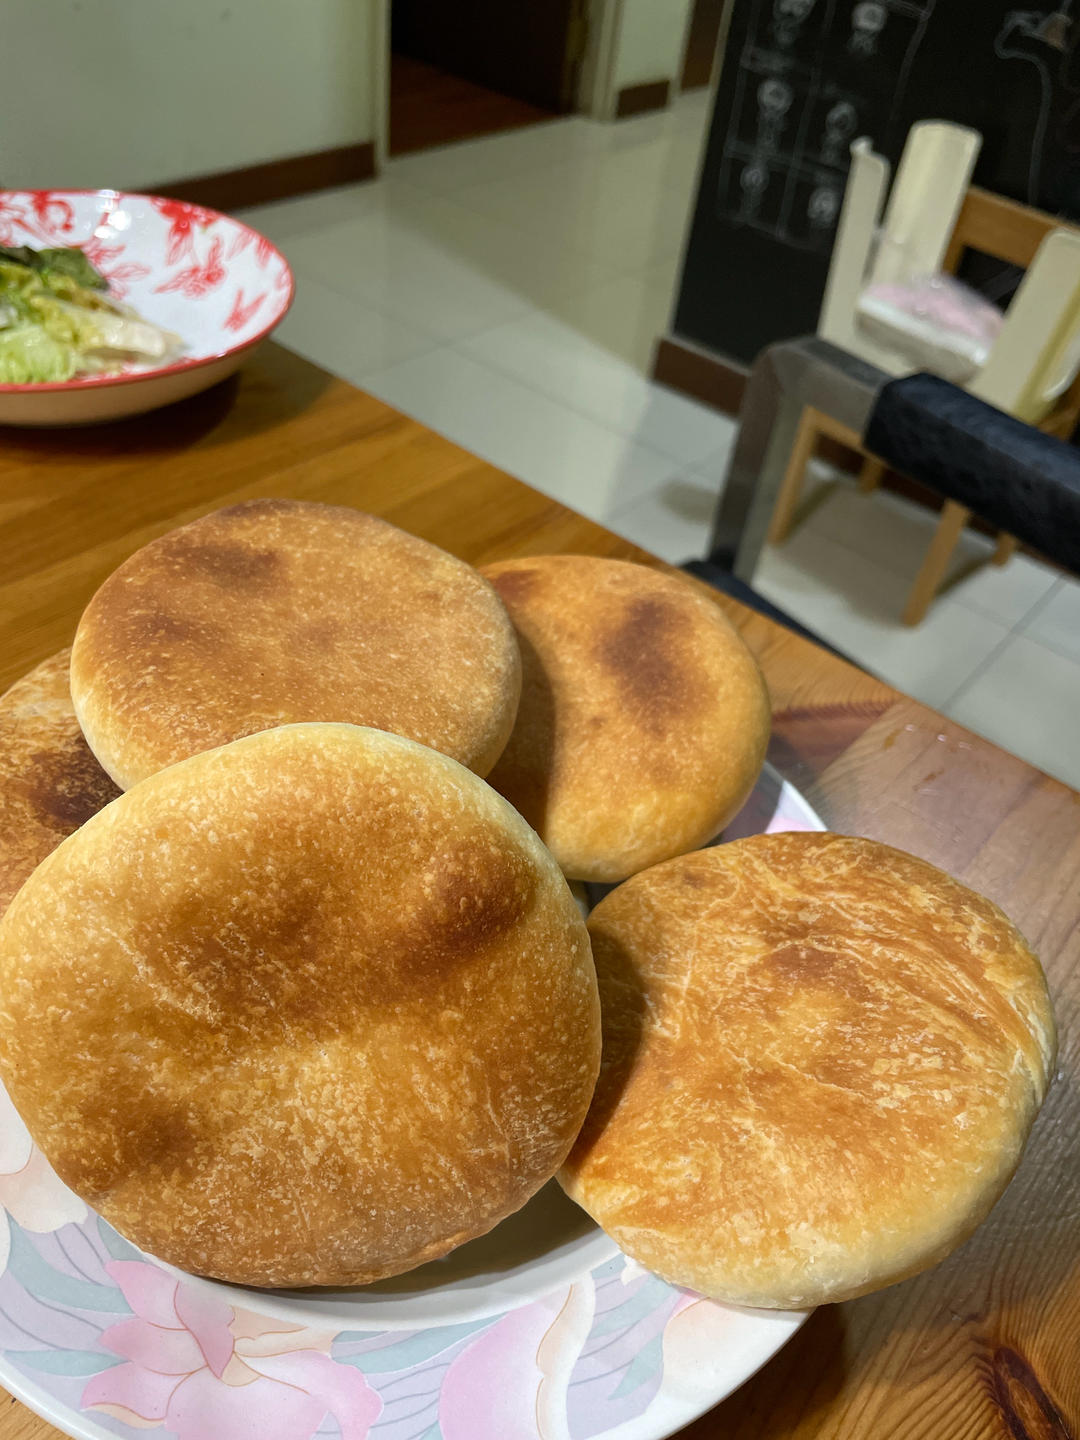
x=50 y=782
x=643 y=719
x=822 y=1058
x=278 y=611
x=309 y=1009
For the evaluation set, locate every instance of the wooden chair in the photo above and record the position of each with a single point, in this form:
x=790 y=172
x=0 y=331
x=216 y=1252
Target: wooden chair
x=1029 y=372
x=911 y=238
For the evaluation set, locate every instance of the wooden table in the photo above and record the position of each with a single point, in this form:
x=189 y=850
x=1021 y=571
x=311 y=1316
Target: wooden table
x=988 y=1344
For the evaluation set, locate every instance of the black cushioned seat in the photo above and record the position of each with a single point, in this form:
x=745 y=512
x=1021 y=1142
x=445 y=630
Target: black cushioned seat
x=1024 y=482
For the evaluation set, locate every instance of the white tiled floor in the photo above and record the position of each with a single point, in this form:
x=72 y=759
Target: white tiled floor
x=508 y=292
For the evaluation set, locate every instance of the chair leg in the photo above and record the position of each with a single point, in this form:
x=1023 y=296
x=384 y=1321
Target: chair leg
x=870 y=475
x=953 y=519
x=1006 y=548
x=787 y=498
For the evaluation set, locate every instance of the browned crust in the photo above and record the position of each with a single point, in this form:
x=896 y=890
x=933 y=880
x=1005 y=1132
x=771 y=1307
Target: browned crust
x=266 y=1012
x=822 y=1058
x=643 y=718
x=278 y=611
x=50 y=782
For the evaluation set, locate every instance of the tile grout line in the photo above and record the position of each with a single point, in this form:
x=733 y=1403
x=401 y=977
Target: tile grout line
x=675 y=466
x=365 y=301
x=1002 y=645
x=1049 y=647
x=687 y=472
x=549 y=395
x=987 y=614
x=980 y=669
x=303 y=270
x=370 y=374
x=1034 y=611
x=1040 y=605
x=816 y=524
x=531 y=304
x=519 y=226
x=1024 y=625
x=433 y=342
x=455 y=345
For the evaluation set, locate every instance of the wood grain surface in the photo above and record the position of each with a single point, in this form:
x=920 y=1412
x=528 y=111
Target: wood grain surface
x=987 y=1344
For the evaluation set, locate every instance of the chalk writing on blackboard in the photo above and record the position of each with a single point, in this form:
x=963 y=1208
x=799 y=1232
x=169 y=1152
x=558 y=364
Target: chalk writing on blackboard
x=1043 y=38
x=804 y=89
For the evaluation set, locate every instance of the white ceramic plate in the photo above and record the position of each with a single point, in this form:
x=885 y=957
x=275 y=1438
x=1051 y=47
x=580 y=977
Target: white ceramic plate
x=542 y=1330
x=211 y=280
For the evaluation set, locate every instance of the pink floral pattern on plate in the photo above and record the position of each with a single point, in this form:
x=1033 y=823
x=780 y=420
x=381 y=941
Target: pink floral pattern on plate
x=119 y=273
x=202 y=1369
x=185 y=221
x=104 y=1341
x=198 y=279
x=29 y=1190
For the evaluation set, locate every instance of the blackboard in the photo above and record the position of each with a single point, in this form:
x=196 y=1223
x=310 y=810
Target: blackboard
x=801 y=79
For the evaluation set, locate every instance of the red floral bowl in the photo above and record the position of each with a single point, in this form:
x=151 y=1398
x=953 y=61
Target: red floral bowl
x=211 y=280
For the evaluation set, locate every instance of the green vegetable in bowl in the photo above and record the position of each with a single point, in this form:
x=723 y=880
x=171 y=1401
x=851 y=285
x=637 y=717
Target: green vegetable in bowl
x=58 y=321
x=68 y=260
x=28 y=355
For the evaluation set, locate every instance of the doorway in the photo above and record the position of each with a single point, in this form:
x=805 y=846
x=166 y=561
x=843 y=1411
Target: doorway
x=479 y=67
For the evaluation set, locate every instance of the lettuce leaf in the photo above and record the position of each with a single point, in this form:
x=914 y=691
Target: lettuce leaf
x=64 y=323
x=28 y=355
x=53 y=326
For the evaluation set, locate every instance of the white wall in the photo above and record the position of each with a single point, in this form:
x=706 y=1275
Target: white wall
x=128 y=93
x=650 y=39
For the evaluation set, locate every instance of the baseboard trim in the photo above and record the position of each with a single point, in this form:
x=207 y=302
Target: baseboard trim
x=637 y=99
x=681 y=365
x=275 y=179
x=719 y=382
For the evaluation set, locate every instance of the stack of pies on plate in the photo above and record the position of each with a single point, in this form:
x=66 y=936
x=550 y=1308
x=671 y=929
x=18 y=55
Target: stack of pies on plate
x=293 y=996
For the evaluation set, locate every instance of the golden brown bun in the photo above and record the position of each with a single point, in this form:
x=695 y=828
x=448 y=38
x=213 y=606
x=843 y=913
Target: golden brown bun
x=312 y=1008
x=822 y=1058
x=50 y=782
x=643 y=719
x=276 y=611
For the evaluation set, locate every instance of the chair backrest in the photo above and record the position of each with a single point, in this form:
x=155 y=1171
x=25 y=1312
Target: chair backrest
x=1037 y=355
x=864 y=196
x=926 y=199
x=999 y=227
x=927 y=194
x=1023 y=374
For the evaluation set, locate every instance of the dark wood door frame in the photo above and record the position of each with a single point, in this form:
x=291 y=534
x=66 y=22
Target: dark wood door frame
x=702 y=38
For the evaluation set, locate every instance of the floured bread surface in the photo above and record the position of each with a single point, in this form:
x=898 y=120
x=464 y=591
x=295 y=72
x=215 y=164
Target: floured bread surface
x=643 y=719
x=311 y=1008
x=822 y=1058
x=278 y=611
x=50 y=782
